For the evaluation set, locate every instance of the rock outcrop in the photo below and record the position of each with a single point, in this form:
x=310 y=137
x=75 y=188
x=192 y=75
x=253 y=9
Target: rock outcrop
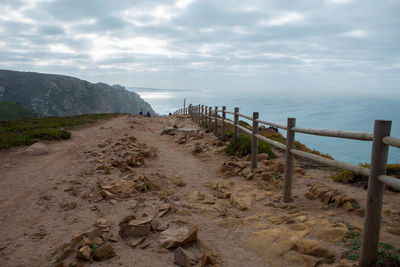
x=58 y=95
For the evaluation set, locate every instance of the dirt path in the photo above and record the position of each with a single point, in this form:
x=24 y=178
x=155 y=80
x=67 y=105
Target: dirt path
x=46 y=200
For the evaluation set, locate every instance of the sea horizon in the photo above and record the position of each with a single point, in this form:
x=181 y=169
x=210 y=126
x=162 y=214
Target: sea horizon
x=352 y=112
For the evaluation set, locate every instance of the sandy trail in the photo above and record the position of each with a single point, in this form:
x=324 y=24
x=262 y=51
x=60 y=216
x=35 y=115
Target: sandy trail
x=35 y=192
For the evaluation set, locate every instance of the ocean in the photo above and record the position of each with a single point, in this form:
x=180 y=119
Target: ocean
x=342 y=112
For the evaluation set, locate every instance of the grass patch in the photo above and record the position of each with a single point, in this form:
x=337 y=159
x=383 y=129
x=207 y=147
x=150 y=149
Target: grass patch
x=243 y=147
x=349 y=177
x=388 y=255
x=15 y=111
x=351 y=256
x=30 y=130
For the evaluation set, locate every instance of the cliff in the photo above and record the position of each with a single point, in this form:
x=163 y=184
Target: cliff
x=59 y=95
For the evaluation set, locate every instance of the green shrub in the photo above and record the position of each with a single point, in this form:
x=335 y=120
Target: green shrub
x=352 y=256
x=243 y=147
x=344 y=176
x=29 y=130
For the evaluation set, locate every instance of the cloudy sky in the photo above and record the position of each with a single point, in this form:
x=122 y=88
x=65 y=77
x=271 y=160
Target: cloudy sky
x=252 y=45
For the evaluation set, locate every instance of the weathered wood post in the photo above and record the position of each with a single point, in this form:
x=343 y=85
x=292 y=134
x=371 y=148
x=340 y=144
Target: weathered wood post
x=235 y=128
x=184 y=105
x=254 y=142
x=205 y=117
x=215 y=121
x=209 y=117
x=198 y=114
x=287 y=186
x=223 y=123
x=202 y=116
x=373 y=212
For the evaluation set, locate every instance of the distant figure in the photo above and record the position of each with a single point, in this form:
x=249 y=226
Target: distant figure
x=170 y=114
x=148 y=114
x=140 y=113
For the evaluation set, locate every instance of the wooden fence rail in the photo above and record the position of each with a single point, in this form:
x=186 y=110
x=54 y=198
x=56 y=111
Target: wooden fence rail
x=381 y=140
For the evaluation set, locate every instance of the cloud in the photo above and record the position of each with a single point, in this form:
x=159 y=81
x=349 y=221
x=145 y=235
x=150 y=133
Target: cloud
x=356 y=34
x=283 y=19
x=206 y=44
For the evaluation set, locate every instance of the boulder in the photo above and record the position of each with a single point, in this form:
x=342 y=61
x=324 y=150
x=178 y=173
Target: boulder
x=185 y=258
x=394 y=230
x=273 y=245
x=132 y=227
x=332 y=233
x=241 y=200
x=36 y=149
x=176 y=180
x=104 y=252
x=314 y=248
x=84 y=253
x=178 y=235
x=310 y=195
x=262 y=156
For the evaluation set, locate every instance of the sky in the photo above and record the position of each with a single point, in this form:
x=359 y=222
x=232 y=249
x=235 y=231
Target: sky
x=254 y=45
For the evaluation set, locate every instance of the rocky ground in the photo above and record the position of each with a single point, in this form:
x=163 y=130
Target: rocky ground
x=118 y=193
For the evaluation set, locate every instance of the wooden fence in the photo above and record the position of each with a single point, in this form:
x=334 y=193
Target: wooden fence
x=381 y=140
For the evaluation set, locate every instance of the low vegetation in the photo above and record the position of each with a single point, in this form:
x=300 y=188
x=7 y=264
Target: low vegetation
x=349 y=177
x=243 y=147
x=30 y=130
x=15 y=111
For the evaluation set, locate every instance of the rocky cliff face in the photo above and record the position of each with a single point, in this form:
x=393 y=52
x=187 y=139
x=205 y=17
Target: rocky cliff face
x=58 y=95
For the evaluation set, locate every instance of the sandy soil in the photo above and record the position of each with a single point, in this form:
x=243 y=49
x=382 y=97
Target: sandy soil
x=37 y=217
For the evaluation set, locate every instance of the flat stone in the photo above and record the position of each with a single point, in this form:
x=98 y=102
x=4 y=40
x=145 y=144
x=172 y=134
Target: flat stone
x=104 y=252
x=313 y=248
x=176 y=180
x=132 y=227
x=178 y=236
x=84 y=253
x=134 y=242
x=241 y=200
x=36 y=149
x=332 y=233
x=310 y=195
x=184 y=258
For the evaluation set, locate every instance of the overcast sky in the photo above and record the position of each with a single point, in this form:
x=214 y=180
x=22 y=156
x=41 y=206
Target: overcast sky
x=252 y=45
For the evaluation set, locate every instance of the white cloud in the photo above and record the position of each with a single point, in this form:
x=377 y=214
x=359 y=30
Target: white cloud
x=183 y=3
x=356 y=34
x=61 y=48
x=283 y=19
x=339 y=1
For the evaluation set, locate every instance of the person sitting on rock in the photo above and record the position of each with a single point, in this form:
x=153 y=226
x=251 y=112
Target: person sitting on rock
x=140 y=113
x=148 y=114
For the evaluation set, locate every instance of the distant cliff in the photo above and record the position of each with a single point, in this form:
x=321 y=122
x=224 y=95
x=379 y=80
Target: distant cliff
x=59 y=95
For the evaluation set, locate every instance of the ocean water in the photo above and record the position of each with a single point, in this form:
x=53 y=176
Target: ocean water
x=343 y=112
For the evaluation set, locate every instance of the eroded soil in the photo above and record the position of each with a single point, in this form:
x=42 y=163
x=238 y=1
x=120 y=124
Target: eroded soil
x=65 y=207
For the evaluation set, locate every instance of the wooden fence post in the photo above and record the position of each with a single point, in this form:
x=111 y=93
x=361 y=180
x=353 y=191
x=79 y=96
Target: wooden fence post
x=205 y=116
x=287 y=186
x=202 y=116
x=254 y=142
x=209 y=117
x=198 y=114
x=223 y=123
x=235 y=128
x=215 y=121
x=373 y=212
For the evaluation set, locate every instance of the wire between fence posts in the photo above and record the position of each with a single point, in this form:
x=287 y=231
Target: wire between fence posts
x=223 y=123
x=373 y=211
x=254 y=142
x=235 y=128
x=215 y=121
x=287 y=186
